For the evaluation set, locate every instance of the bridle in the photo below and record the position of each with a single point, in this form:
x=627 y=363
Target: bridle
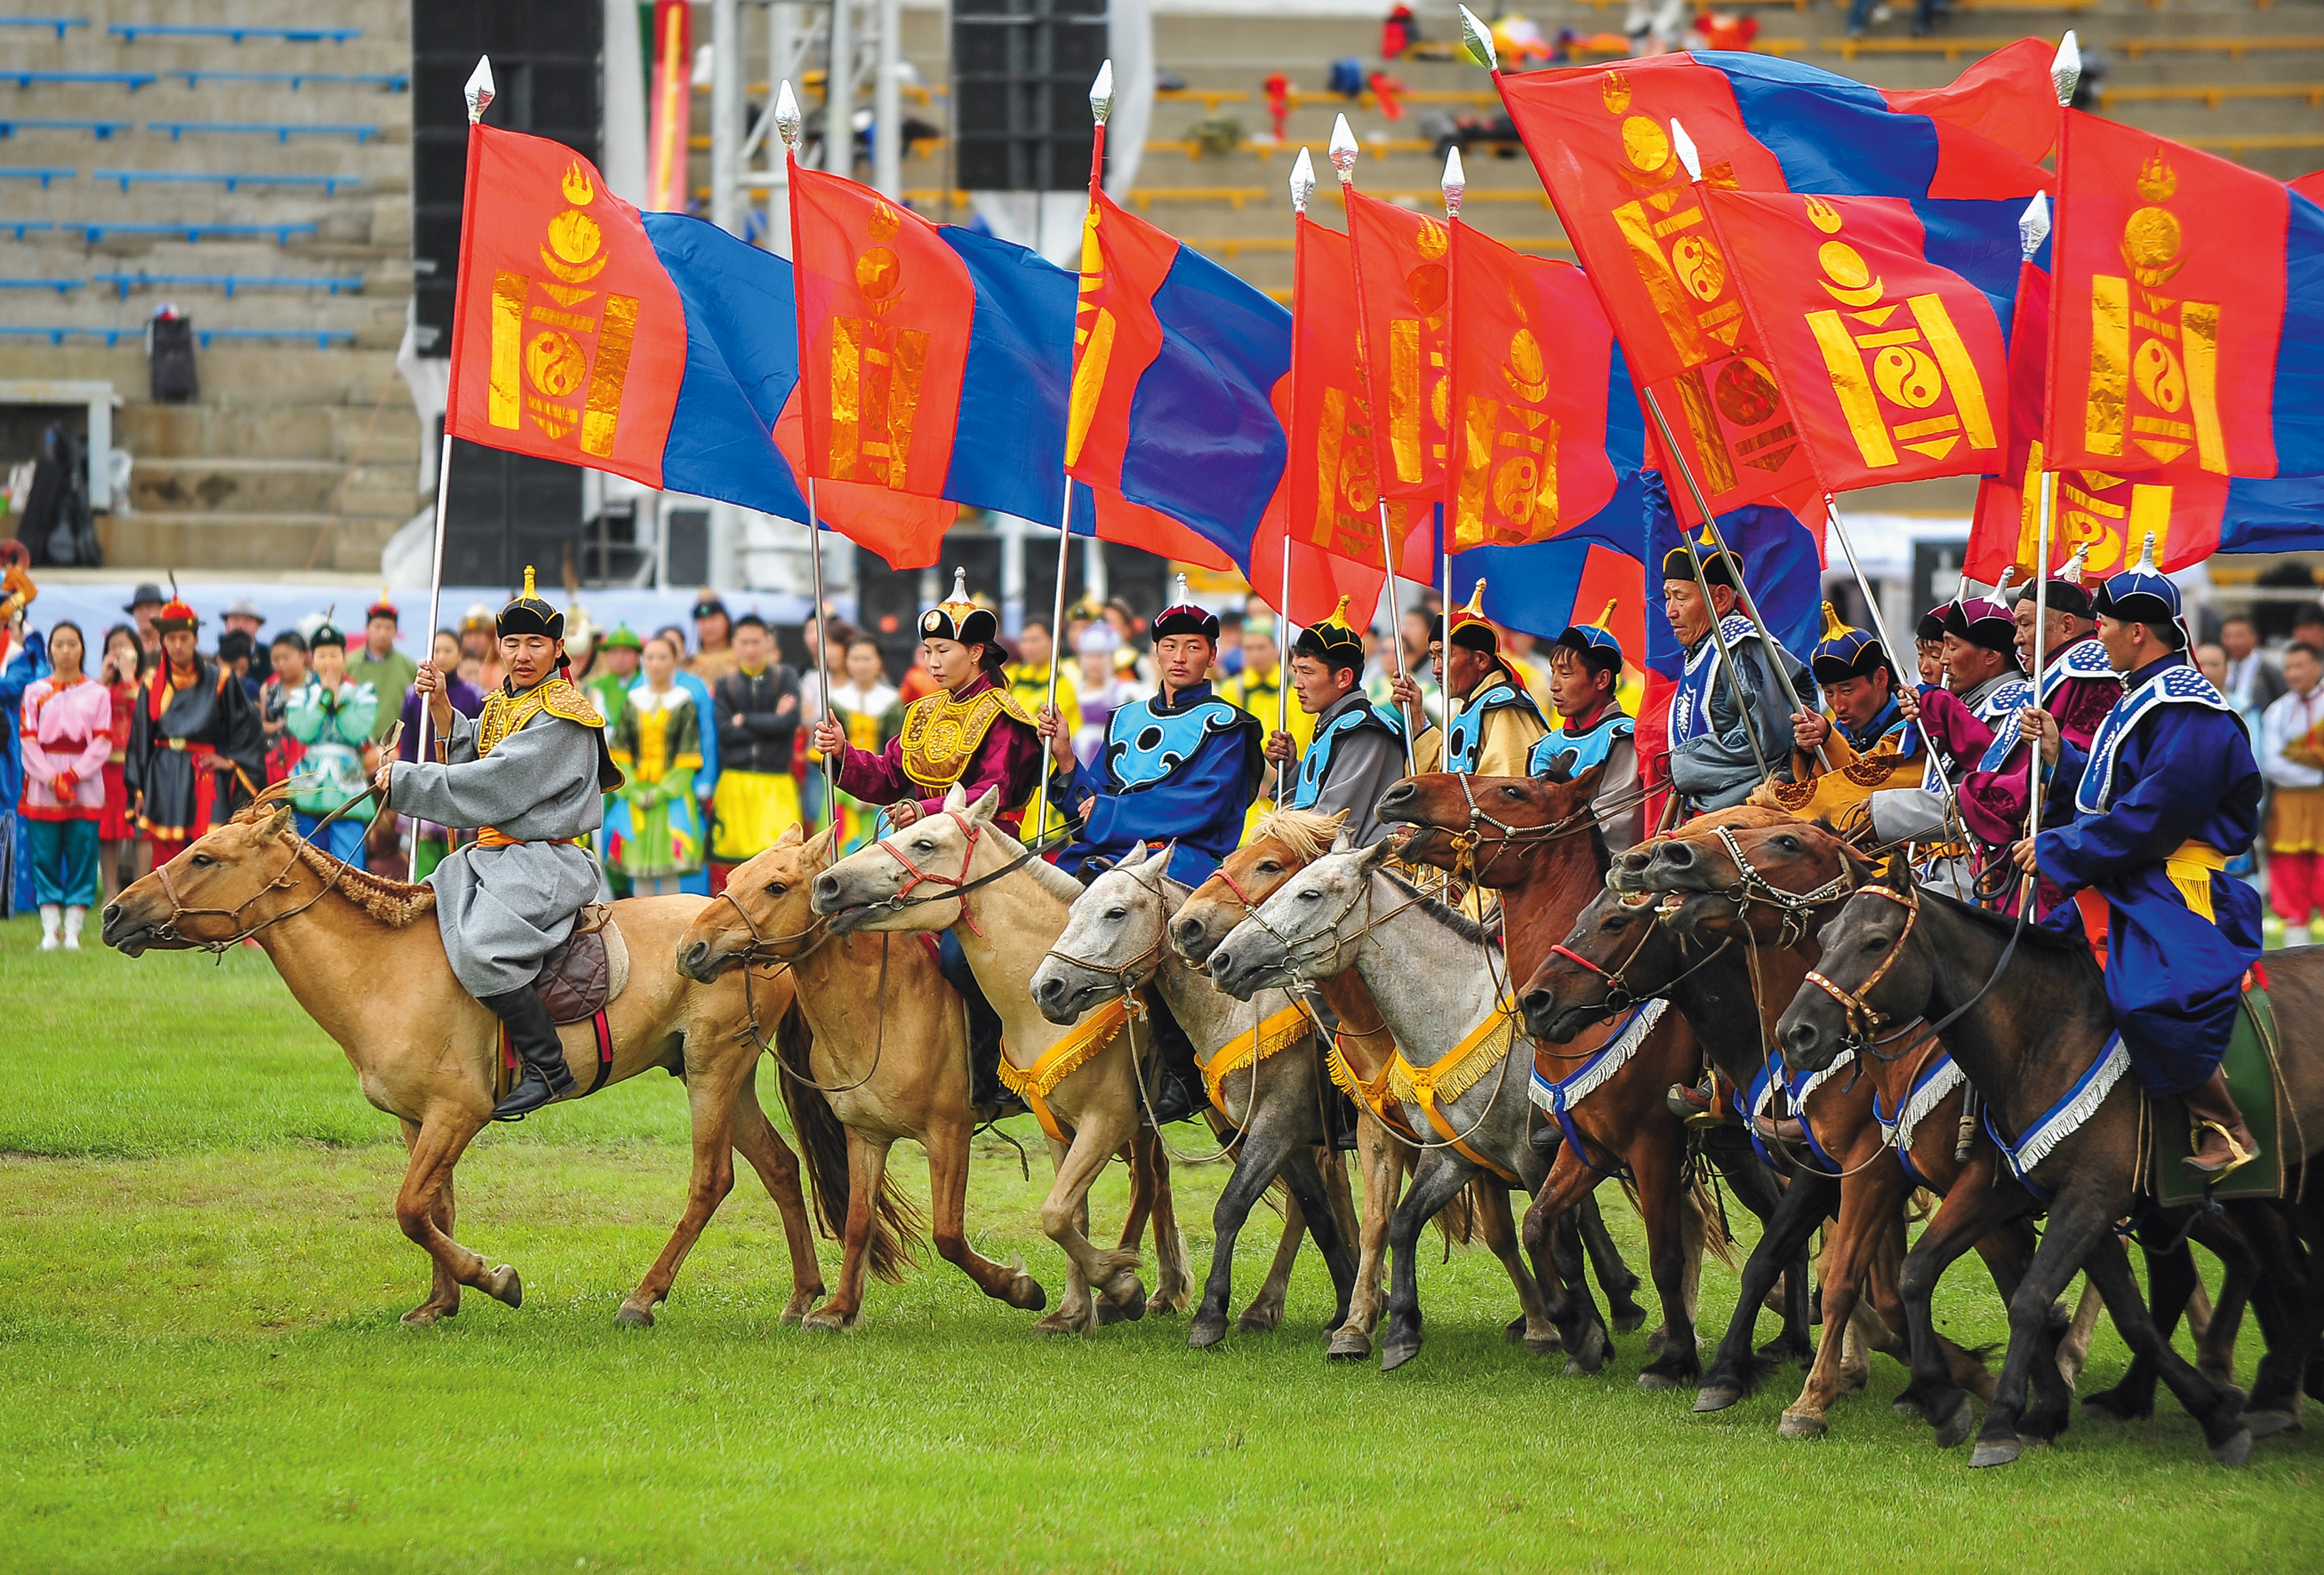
x=961 y=884
x=1864 y=1019
x=1750 y=885
x=764 y=947
x=1147 y=963
x=170 y=934
x=1620 y=996
x=1465 y=842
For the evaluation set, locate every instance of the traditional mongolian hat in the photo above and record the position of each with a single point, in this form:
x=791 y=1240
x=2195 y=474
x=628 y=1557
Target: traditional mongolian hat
x=1933 y=622
x=176 y=612
x=382 y=608
x=1719 y=568
x=1334 y=640
x=708 y=605
x=958 y=617
x=2066 y=592
x=528 y=614
x=326 y=633
x=1595 y=643
x=622 y=637
x=1846 y=652
x=477 y=616
x=2142 y=595
x=1470 y=628
x=1183 y=617
x=1984 y=620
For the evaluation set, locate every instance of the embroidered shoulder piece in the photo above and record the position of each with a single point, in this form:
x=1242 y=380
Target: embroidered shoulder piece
x=504 y=714
x=941 y=734
x=2178 y=685
x=2085 y=659
x=1580 y=751
x=1144 y=746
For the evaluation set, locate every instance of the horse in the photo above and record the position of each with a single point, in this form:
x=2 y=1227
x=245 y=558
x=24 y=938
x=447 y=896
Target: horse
x=1618 y=952
x=361 y=954
x=1536 y=840
x=1082 y=1082
x=1760 y=885
x=1279 y=847
x=888 y=1059
x=2027 y=1016
x=1115 y=943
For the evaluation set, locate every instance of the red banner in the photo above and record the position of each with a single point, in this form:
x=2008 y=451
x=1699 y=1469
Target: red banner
x=672 y=114
x=1404 y=281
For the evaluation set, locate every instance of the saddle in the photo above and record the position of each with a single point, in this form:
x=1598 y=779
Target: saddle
x=2255 y=1080
x=587 y=970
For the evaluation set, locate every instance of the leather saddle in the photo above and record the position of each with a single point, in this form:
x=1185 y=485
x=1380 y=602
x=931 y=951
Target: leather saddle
x=587 y=970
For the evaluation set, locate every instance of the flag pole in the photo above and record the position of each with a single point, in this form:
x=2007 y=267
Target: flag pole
x=1302 y=189
x=1100 y=103
x=1342 y=152
x=479 y=94
x=790 y=126
x=1454 y=185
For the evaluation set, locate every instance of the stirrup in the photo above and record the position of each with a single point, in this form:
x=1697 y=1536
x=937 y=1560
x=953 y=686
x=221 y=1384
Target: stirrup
x=2238 y=1156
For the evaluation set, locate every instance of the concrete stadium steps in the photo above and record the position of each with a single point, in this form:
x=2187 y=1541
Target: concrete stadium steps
x=216 y=484
x=257 y=542
x=364 y=430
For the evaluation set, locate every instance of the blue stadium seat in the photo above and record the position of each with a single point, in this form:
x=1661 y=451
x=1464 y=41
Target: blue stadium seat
x=132 y=80
x=59 y=334
x=130 y=32
x=329 y=183
x=102 y=129
x=42 y=173
x=96 y=230
x=229 y=282
x=59 y=22
x=322 y=336
x=20 y=225
x=393 y=82
x=282 y=131
x=59 y=285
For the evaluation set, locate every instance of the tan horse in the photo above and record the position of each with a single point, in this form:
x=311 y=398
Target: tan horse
x=363 y=956
x=889 y=1056
x=959 y=869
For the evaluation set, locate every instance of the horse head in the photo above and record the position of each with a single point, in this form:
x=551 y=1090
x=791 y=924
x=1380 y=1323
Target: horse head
x=900 y=881
x=1280 y=846
x=1301 y=933
x=1112 y=941
x=1630 y=867
x=1772 y=881
x=216 y=890
x=1877 y=969
x=1615 y=956
x=1466 y=824
x=766 y=914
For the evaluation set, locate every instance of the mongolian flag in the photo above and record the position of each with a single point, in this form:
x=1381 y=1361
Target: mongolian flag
x=2187 y=324
x=1895 y=365
x=1175 y=365
x=1403 y=286
x=1528 y=356
x=1599 y=137
x=1327 y=501
x=587 y=333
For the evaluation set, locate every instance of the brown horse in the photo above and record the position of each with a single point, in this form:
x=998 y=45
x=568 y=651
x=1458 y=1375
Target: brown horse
x=889 y=1057
x=1535 y=841
x=1279 y=847
x=361 y=956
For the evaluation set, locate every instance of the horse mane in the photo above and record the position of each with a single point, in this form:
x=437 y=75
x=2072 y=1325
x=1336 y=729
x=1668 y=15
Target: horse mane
x=393 y=903
x=1053 y=880
x=1307 y=835
x=2003 y=925
x=1450 y=918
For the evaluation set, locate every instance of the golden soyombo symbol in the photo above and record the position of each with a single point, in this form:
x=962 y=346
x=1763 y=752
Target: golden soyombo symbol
x=541 y=376
x=876 y=368
x=2154 y=358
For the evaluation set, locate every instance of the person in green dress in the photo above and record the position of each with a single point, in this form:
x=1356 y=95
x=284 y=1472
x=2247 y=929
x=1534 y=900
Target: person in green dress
x=333 y=716
x=656 y=742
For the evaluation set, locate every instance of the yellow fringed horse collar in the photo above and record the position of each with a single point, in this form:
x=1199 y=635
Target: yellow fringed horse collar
x=1451 y=1076
x=1034 y=1083
x=1277 y=1033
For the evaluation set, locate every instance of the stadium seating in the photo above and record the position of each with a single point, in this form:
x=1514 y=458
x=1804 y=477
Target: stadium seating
x=42 y=173
x=102 y=129
x=280 y=131
x=130 y=32
x=230 y=179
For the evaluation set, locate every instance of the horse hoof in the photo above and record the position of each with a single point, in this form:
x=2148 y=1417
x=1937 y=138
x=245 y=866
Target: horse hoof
x=2268 y=1423
x=1349 y=1345
x=1025 y=1294
x=1590 y=1360
x=1953 y=1430
x=631 y=1317
x=1716 y=1397
x=1514 y=1331
x=426 y=1317
x=1259 y=1320
x=1058 y=1322
x=1656 y=1383
x=1997 y=1451
x=826 y=1322
x=2236 y=1450
x=1128 y=1309
x=1801 y=1425
x=1543 y=1345
x=1205 y=1332
x=1395 y=1354
x=1627 y=1319
x=503 y=1286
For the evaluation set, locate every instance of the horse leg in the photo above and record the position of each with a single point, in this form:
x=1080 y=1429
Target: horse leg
x=443 y=1291
x=2074 y=1346
x=1436 y=1181
x=1734 y=1372
x=1581 y=1332
x=1311 y=1194
x=2292 y=1321
x=2073 y=1233
x=2219 y=1409
x=2171 y=1279
x=436 y=1149
x=1263 y=1154
x=1173 y=1280
x=1656 y=1160
x=867 y=1168
x=1383 y=1160
x=1756 y=1188
x=1974 y=1206
x=1614 y=1276
x=710 y=1096
x=947 y=1146
x=1500 y=1230
x=756 y=1140
x=1110 y=1275
x=1266 y=1309
x=1869 y=1204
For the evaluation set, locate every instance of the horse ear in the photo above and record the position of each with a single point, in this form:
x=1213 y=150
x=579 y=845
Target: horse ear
x=1132 y=859
x=1373 y=857
x=1159 y=864
x=276 y=823
x=1557 y=771
x=955 y=797
x=1896 y=873
x=1587 y=781
x=793 y=836
x=816 y=849
x=987 y=805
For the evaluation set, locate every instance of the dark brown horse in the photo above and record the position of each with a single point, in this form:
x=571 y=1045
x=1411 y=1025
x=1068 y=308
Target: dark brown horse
x=1516 y=835
x=2027 y=1018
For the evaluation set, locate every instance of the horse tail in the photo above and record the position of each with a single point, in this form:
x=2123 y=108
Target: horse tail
x=896 y=1227
x=1705 y=1224
x=1458 y=1219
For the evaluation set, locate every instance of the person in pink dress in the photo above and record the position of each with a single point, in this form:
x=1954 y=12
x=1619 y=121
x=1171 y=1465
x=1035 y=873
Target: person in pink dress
x=68 y=733
x=116 y=829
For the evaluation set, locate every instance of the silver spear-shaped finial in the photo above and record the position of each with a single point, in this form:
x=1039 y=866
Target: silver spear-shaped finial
x=1303 y=181
x=1343 y=149
x=1479 y=39
x=1101 y=94
x=2066 y=66
x=1455 y=182
x=788 y=122
x=479 y=90
x=2033 y=225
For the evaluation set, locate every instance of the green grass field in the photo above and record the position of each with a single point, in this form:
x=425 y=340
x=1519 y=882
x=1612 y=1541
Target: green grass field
x=201 y=1367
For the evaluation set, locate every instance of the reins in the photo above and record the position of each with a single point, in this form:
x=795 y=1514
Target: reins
x=170 y=933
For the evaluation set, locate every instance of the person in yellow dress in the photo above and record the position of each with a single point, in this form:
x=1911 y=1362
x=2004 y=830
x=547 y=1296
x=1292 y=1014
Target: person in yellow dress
x=657 y=745
x=1028 y=681
x=872 y=711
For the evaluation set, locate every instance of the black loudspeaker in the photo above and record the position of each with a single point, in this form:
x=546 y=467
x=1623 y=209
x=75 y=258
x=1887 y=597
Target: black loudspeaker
x=1021 y=72
x=506 y=509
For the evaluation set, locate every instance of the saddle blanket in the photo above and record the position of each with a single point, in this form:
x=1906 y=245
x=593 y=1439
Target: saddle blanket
x=2255 y=1080
x=582 y=976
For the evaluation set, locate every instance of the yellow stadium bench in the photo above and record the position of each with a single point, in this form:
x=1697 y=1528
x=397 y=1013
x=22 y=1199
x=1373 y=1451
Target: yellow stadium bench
x=2211 y=95
x=1235 y=196
x=2234 y=47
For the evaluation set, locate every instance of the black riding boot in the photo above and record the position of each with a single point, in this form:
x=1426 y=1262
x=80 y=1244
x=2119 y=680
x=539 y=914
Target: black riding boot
x=984 y=1088
x=546 y=1076
x=1173 y=1082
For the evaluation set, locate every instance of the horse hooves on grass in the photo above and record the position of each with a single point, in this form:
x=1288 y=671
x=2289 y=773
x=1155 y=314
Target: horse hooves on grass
x=2268 y=1423
x=631 y=1317
x=1716 y=1397
x=1205 y=1332
x=1259 y=1319
x=2236 y=1450
x=1657 y=1382
x=1513 y=1329
x=1395 y=1353
x=1801 y=1425
x=1996 y=1451
x=1126 y=1308
x=1025 y=1294
x=426 y=1317
x=1953 y=1430
x=1627 y=1319
x=824 y=1320
x=503 y=1286
x=1783 y=1349
x=1349 y=1345
x=2110 y=1405
x=1543 y=1345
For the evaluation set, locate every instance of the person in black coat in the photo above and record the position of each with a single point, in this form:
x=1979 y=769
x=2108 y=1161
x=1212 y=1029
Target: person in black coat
x=756 y=707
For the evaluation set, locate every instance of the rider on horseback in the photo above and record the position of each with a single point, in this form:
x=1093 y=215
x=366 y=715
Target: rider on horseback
x=1357 y=753
x=1585 y=677
x=970 y=733
x=1495 y=722
x=1713 y=761
x=2148 y=815
x=1863 y=736
x=528 y=773
x=1181 y=767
